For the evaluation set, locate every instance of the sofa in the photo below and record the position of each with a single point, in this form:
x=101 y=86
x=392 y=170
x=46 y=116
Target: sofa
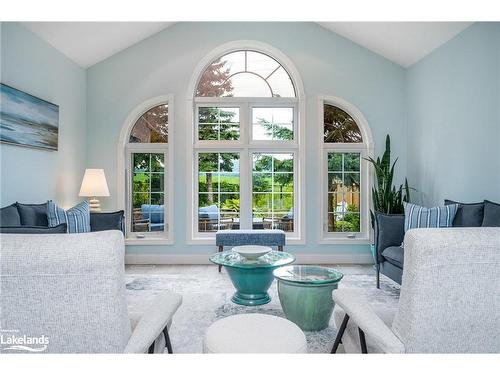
x=389 y=234
x=448 y=303
x=32 y=219
x=69 y=291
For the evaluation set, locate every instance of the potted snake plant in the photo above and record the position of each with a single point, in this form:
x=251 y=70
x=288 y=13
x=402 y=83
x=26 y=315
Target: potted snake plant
x=386 y=197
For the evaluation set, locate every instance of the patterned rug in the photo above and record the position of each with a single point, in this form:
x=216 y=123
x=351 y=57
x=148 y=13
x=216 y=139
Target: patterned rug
x=207 y=298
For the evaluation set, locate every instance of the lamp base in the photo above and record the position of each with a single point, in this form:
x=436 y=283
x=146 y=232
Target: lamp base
x=94 y=204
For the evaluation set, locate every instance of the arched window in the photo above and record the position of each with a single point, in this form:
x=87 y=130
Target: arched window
x=147 y=192
x=245 y=74
x=246 y=142
x=346 y=143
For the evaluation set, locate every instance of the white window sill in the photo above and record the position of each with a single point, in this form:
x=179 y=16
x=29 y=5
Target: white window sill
x=344 y=241
x=148 y=241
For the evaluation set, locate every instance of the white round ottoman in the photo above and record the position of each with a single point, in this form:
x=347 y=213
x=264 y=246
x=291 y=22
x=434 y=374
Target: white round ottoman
x=254 y=333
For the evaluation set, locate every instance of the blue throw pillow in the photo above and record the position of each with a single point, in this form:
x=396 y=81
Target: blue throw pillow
x=435 y=217
x=77 y=218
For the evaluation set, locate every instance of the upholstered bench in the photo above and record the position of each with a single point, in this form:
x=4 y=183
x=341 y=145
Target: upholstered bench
x=254 y=333
x=262 y=237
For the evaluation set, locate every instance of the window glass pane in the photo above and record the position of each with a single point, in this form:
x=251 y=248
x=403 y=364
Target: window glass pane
x=343 y=196
x=273 y=191
x=281 y=84
x=245 y=74
x=152 y=126
x=219 y=191
x=261 y=64
x=272 y=124
x=217 y=123
x=234 y=62
x=148 y=192
x=339 y=126
x=249 y=85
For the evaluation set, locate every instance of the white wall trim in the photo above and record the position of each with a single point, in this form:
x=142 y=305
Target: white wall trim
x=340 y=258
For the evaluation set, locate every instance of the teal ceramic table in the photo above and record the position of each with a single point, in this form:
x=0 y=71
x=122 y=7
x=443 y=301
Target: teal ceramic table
x=305 y=294
x=251 y=278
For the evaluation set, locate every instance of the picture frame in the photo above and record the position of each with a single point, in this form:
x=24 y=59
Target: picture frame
x=28 y=121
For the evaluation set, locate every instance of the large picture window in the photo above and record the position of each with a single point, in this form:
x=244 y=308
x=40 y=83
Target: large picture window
x=345 y=186
x=246 y=146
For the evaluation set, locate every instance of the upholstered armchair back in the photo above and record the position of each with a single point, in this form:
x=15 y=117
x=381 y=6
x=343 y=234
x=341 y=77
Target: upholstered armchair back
x=68 y=288
x=450 y=295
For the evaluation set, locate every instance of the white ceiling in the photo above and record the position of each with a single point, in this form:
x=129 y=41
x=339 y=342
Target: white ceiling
x=87 y=43
x=402 y=42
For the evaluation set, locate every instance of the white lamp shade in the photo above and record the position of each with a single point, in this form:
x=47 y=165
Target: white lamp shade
x=94 y=184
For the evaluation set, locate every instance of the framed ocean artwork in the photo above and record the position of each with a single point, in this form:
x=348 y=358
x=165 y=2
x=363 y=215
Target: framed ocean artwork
x=26 y=120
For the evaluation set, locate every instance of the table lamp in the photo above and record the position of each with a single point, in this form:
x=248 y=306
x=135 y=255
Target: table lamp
x=94 y=185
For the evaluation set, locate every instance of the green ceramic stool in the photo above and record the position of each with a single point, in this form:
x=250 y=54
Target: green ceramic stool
x=305 y=293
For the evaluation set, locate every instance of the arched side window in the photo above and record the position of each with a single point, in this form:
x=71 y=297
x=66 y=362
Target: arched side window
x=246 y=142
x=146 y=159
x=346 y=143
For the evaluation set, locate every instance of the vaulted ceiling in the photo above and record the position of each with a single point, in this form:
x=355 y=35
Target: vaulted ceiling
x=404 y=43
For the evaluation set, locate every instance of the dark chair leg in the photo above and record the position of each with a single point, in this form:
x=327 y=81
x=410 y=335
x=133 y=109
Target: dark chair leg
x=151 y=349
x=338 y=339
x=221 y=249
x=362 y=341
x=280 y=248
x=378 y=276
x=168 y=344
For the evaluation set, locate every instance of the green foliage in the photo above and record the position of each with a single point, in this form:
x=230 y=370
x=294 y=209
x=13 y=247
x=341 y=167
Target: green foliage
x=339 y=126
x=345 y=226
x=387 y=198
x=352 y=217
x=275 y=131
x=231 y=205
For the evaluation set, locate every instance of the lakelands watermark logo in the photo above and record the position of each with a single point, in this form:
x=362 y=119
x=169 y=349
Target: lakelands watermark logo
x=13 y=340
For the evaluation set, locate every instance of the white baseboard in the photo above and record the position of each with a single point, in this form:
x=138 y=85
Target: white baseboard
x=342 y=258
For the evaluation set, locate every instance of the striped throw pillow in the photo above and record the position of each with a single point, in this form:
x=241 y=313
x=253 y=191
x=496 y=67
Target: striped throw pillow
x=76 y=218
x=435 y=217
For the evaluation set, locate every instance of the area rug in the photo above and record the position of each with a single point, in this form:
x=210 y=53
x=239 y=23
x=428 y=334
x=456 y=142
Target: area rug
x=207 y=298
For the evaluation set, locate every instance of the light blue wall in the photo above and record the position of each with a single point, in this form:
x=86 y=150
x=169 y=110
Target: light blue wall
x=34 y=176
x=164 y=63
x=454 y=119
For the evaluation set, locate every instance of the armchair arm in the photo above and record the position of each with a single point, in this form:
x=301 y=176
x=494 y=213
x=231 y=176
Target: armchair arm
x=155 y=318
x=389 y=231
x=360 y=313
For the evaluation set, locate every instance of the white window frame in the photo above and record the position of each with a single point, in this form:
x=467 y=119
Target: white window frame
x=366 y=150
x=245 y=146
x=125 y=173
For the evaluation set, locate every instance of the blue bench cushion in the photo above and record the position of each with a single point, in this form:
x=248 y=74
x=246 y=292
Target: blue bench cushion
x=395 y=255
x=261 y=237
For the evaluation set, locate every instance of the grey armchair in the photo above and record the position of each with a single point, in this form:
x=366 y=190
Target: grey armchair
x=389 y=234
x=449 y=300
x=70 y=289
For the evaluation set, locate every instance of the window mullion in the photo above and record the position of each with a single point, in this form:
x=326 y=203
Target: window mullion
x=245 y=169
x=245 y=190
